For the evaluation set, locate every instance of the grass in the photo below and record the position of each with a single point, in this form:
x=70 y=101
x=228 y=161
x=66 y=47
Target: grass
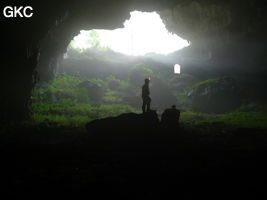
x=78 y=114
x=63 y=103
x=236 y=118
x=75 y=114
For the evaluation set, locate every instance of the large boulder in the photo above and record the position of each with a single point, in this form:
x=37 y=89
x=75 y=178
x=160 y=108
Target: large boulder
x=216 y=95
x=125 y=124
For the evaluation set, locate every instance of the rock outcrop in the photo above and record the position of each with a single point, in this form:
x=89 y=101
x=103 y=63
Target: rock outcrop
x=216 y=95
x=125 y=124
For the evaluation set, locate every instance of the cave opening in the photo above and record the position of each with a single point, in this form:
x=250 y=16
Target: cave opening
x=102 y=72
x=142 y=33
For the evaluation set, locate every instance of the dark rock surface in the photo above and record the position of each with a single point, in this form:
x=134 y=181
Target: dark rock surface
x=218 y=96
x=132 y=157
x=126 y=124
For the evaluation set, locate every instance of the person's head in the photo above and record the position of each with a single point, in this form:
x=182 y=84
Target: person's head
x=146 y=80
x=173 y=106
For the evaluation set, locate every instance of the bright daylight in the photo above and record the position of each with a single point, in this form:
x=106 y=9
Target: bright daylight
x=143 y=33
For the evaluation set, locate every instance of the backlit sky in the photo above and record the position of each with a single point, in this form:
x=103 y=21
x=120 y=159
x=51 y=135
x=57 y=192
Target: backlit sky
x=143 y=33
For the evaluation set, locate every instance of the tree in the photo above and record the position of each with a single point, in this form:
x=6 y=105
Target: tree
x=94 y=39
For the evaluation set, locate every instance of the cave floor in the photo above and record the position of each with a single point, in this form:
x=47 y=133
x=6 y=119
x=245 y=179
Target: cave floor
x=71 y=163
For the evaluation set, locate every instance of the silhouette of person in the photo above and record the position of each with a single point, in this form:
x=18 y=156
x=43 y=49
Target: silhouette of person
x=145 y=96
x=170 y=116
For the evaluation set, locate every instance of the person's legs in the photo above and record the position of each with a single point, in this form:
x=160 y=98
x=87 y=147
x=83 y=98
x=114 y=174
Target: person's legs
x=148 y=103
x=144 y=105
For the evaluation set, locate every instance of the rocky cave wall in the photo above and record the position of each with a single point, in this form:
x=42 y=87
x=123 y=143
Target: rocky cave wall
x=219 y=27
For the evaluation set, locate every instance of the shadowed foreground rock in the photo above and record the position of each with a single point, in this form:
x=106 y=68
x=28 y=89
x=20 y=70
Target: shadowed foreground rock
x=129 y=123
x=132 y=156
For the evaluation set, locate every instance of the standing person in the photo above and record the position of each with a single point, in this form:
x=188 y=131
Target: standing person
x=145 y=96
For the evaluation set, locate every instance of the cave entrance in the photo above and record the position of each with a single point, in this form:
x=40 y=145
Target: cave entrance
x=102 y=72
x=142 y=34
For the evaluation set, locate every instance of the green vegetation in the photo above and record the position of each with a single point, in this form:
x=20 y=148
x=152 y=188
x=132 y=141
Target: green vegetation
x=92 y=42
x=77 y=115
x=252 y=115
x=69 y=101
x=183 y=99
x=208 y=81
x=236 y=118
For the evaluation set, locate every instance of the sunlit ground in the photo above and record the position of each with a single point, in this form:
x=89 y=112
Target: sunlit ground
x=143 y=33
